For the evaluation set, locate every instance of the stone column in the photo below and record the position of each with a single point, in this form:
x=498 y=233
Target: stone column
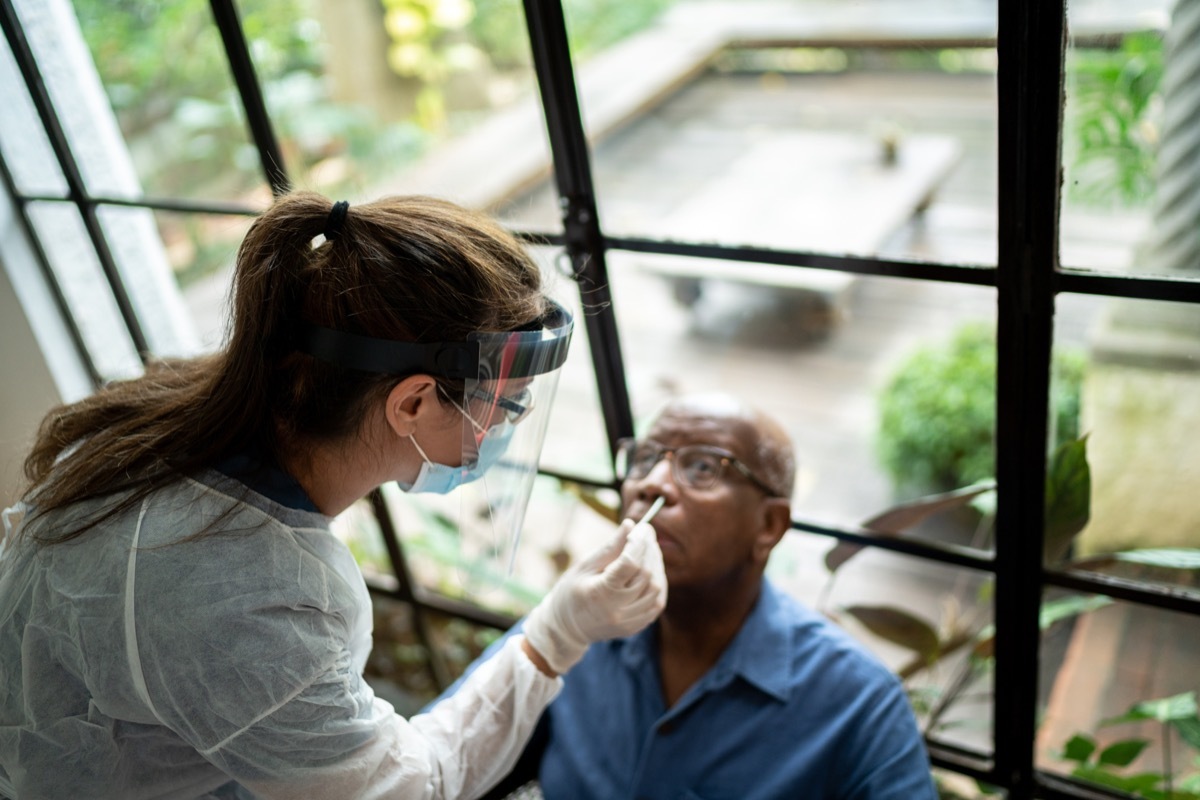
x=1142 y=393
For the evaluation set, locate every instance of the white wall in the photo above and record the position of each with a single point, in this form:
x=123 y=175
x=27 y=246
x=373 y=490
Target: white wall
x=38 y=363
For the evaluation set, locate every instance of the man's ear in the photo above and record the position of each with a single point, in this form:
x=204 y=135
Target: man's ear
x=775 y=519
x=409 y=400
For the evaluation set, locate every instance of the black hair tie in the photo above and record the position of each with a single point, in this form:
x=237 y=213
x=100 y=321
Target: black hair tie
x=337 y=218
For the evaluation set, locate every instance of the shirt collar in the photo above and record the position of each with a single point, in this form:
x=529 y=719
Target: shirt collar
x=760 y=653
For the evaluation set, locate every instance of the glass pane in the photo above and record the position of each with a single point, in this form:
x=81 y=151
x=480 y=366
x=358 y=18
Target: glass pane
x=822 y=363
x=138 y=117
x=1129 y=137
x=929 y=623
x=23 y=144
x=146 y=272
x=559 y=528
x=576 y=441
x=1120 y=701
x=88 y=294
x=1137 y=364
x=201 y=250
x=400 y=96
x=888 y=150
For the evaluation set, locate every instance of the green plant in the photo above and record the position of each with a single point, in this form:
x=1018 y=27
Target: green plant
x=1112 y=121
x=1105 y=766
x=933 y=642
x=592 y=25
x=937 y=411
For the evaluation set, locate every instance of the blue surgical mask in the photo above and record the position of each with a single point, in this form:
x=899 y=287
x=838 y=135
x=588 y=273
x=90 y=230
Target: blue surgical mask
x=435 y=478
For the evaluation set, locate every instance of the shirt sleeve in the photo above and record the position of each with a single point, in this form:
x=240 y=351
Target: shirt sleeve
x=253 y=668
x=890 y=745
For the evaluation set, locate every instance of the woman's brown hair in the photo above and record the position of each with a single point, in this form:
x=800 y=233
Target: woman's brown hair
x=401 y=268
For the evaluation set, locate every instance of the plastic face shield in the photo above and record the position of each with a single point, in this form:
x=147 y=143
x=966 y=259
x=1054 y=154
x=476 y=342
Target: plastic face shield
x=509 y=380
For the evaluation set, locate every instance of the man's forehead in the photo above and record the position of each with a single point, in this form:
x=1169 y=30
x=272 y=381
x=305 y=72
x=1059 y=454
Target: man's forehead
x=696 y=426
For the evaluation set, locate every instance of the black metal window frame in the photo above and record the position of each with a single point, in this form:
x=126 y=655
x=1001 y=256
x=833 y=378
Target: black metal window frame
x=1031 y=48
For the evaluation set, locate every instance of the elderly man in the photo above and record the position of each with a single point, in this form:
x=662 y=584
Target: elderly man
x=737 y=691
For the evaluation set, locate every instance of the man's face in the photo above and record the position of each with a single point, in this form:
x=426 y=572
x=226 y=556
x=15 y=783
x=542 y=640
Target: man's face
x=707 y=536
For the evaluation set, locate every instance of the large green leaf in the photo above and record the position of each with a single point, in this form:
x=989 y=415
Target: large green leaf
x=1079 y=748
x=899 y=627
x=1189 y=730
x=1065 y=607
x=1122 y=753
x=1068 y=498
x=1165 y=709
x=1168 y=557
x=899 y=518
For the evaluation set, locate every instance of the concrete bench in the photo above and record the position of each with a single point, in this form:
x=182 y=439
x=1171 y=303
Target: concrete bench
x=823 y=192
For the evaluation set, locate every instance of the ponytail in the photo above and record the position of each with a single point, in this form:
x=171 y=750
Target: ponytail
x=404 y=268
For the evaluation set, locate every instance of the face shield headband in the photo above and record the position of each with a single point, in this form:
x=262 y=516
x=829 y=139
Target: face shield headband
x=483 y=356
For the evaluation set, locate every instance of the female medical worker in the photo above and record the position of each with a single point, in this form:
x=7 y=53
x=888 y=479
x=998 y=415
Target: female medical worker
x=177 y=620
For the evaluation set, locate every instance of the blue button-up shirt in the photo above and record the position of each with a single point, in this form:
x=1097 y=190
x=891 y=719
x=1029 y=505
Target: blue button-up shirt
x=794 y=708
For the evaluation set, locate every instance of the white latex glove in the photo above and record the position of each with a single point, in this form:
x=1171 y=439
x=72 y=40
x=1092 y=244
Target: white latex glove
x=616 y=591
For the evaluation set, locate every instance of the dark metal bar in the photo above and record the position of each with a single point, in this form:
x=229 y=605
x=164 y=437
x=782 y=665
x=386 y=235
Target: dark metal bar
x=931 y=551
x=1133 y=285
x=1031 y=50
x=438 y=669
x=269 y=155
x=77 y=191
x=1168 y=598
x=863 y=265
x=573 y=178
x=450 y=606
x=39 y=254
x=962 y=760
x=160 y=204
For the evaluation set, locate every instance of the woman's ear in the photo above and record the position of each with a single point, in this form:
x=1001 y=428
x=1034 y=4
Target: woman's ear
x=775 y=519
x=409 y=400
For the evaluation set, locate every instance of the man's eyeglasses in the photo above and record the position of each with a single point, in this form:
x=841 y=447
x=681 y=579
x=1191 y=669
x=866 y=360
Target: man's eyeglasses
x=695 y=466
x=515 y=408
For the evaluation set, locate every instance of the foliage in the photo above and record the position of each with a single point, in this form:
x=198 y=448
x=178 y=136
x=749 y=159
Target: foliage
x=932 y=642
x=937 y=412
x=182 y=117
x=1106 y=766
x=1112 y=120
x=190 y=102
x=592 y=25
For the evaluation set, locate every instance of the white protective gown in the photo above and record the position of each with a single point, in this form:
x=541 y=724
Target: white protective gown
x=136 y=665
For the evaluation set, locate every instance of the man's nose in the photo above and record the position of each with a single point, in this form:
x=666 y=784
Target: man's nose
x=660 y=479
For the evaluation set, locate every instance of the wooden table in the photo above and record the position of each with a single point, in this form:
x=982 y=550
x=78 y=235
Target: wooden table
x=822 y=192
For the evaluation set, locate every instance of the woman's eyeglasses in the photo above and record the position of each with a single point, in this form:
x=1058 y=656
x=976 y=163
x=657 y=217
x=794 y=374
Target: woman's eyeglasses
x=695 y=466
x=515 y=408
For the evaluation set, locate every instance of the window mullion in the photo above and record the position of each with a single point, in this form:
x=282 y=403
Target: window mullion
x=573 y=176
x=1030 y=79
x=259 y=121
